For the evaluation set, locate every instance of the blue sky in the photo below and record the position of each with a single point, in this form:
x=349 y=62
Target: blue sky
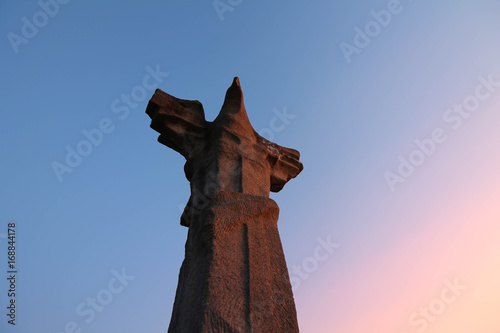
x=119 y=207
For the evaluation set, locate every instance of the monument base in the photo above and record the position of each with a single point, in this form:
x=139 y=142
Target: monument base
x=234 y=276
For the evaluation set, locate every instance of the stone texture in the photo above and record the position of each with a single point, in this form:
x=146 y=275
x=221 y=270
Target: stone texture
x=234 y=276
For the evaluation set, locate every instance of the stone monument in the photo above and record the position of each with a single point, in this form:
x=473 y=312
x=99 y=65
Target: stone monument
x=234 y=276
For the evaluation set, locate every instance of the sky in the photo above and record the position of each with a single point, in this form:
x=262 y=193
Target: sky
x=393 y=225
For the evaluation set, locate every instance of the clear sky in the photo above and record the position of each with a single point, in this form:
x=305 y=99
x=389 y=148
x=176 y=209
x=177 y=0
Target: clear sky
x=394 y=106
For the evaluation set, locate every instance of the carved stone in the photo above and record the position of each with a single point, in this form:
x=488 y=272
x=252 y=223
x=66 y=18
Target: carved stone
x=234 y=276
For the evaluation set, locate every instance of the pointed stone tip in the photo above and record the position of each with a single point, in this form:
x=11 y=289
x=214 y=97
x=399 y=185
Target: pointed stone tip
x=234 y=91
x=233 y=109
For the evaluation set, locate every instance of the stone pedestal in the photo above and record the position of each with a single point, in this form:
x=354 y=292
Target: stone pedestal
x=234 y=276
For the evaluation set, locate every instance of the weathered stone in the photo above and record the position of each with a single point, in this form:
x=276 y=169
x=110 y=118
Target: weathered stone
x=234 y=276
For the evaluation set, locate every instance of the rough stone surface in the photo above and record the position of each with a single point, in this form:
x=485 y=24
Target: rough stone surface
x=234 y=276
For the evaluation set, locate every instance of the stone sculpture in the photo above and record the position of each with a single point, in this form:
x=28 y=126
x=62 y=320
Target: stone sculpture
x=234 y=276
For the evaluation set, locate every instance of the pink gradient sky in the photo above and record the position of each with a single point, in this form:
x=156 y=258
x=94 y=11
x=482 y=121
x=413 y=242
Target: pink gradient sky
x=453 y=208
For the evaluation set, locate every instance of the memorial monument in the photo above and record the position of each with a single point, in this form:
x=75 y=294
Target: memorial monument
x=234 y=276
